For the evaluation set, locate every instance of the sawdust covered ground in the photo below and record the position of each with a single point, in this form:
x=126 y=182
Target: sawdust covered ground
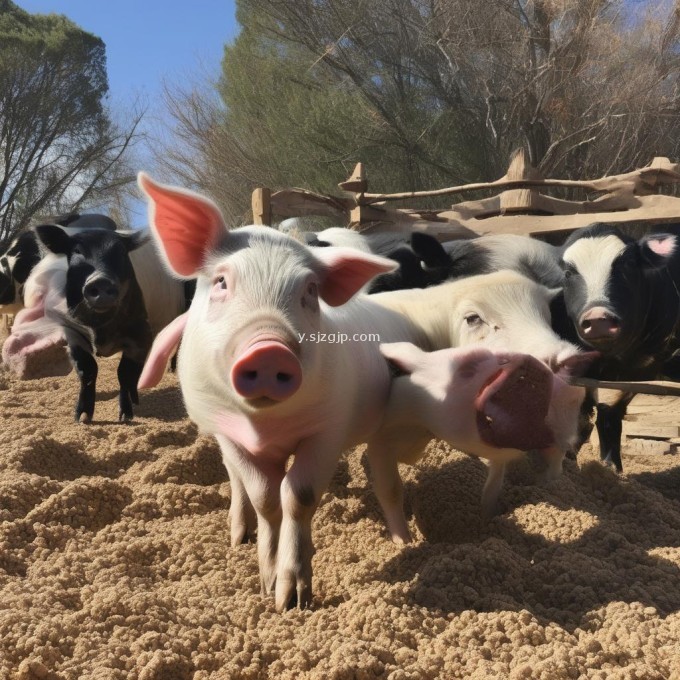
x=115 y=562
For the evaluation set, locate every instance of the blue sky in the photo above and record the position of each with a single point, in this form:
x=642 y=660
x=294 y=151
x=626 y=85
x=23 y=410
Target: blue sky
x=149 y=41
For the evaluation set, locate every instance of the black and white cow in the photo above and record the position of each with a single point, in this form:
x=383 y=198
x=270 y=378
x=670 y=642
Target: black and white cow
x=622 y=298
x=101 y=310
x=23 y=254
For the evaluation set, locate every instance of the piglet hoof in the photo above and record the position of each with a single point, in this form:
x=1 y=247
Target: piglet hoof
x=291 y=594
x=241 y=538
x=124 y=417
x=84 y=418
x=489 y=507
x=399 y=538
x=266 y=587
x=608 y=462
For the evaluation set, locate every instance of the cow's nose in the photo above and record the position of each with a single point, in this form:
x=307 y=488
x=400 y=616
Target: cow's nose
x=598 y=323
x=267 y=369
x=101 y=293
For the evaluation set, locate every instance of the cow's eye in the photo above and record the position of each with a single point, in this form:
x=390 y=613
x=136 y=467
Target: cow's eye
x=473 y=319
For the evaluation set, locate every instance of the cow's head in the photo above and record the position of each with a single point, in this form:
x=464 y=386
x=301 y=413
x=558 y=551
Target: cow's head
x=608 y=281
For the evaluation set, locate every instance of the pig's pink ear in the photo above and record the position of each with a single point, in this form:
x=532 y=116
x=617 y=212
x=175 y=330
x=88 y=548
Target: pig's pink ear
x=346 y=270
x=163 y=347
x=185 y=225
x=404 y=355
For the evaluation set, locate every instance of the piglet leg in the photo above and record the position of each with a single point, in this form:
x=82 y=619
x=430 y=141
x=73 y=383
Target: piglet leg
x=241 y=512
x=301 y=490
x=609 y=429
x=388 y=488
x=86 y=368
x=553 y=457
x=135 y=350
x=385 y=450
x=129 y=371
x=261 y=482
x=492 y=488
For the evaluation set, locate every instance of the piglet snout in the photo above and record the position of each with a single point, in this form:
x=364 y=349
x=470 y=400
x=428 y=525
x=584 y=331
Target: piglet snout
x=267 y=369
x=599 y=324
x=101 y=292
x=512 y=407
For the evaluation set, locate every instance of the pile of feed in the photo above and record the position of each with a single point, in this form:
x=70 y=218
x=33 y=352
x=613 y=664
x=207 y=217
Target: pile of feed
x=115 y=561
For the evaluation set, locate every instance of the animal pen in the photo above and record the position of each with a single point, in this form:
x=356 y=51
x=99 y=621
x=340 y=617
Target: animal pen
x=632 y=201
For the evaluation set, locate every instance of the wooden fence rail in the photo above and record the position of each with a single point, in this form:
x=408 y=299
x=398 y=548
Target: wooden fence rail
x=520 y=207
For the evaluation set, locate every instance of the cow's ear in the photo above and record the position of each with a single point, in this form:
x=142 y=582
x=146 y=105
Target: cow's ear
x=134 y=240
x=186 y=225
x=658 y=249
x=55 y=239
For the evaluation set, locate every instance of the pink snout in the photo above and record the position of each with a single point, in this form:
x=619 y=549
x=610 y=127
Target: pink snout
x=599 y=324
x=267 y=369
x=512 y=406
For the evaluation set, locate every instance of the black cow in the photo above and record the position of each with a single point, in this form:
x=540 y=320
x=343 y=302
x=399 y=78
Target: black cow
x=622 y=298
x=106 y=311
x=23 y=253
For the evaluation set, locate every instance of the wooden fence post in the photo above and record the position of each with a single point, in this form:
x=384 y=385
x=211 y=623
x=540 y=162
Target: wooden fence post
x=262 y=207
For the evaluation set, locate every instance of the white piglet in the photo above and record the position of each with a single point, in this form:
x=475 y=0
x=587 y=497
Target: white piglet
x=493 y=405
x=502 y=312
x=253 y=373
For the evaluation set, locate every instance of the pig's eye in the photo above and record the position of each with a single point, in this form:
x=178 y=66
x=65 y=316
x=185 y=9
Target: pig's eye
x=77 y=250
x=221 y=283
x=473 y=319
x=311 y=297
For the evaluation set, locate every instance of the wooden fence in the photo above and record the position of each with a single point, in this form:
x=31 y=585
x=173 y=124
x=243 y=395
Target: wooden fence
x=520 y=207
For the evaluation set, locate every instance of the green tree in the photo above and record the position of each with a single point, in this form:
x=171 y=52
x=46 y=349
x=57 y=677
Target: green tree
x=429 y=93
x=59 y=149
x=284 y=117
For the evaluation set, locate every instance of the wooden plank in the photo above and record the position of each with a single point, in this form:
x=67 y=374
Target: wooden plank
x=660 y=387
x=356 y=182
x=261 y=204
x=648 y=447
x=300 y=202
x=648 y=431
x=637 y=182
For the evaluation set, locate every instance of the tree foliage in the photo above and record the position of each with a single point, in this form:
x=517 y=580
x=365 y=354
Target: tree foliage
x=431 y=92
x=59 y=148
